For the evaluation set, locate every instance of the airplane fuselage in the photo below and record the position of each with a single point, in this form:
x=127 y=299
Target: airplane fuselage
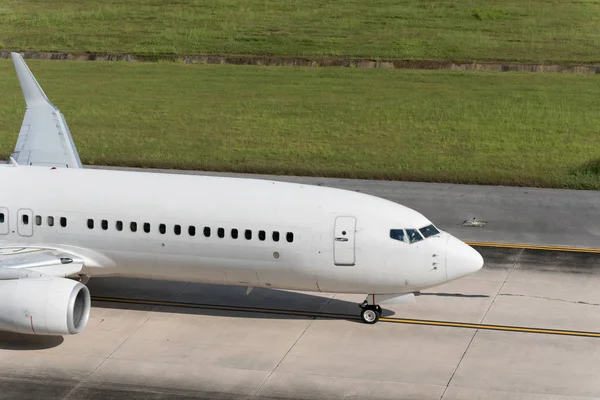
x=249 y=232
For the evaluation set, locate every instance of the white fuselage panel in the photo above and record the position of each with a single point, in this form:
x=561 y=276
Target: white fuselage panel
x=219 y=230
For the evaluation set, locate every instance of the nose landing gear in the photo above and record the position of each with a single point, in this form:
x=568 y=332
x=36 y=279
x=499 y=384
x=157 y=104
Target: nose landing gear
x=370 y=313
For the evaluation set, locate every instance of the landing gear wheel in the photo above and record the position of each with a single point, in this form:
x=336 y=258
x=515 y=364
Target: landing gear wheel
x=370 y=314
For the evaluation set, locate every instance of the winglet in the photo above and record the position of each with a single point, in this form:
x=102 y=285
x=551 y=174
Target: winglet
x=32 y=91
x=44 y=138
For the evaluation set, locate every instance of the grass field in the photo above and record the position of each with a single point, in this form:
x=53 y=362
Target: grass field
x=499 y=128
x=480 y=30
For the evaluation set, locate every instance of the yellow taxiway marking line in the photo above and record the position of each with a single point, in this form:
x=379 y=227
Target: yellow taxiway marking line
x=534 y=247
x=491 y=327
x=355 y=317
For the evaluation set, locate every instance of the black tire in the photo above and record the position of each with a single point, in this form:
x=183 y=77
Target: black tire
x=370 y=315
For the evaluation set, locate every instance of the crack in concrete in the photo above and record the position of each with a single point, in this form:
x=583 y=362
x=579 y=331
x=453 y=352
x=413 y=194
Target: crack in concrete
x=151 y=312
x=256 y=392
x=551 y=299
x=512 y=268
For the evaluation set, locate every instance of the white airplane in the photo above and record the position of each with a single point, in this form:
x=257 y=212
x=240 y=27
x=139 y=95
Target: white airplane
x=60 y=221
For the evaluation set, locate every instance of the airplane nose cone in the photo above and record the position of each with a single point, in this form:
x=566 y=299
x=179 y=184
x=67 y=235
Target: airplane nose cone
x=461 y=259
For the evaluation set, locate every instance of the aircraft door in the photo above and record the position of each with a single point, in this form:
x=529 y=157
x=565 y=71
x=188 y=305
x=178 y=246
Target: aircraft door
x=3 y=221
x=343 y=241
x=25 y=222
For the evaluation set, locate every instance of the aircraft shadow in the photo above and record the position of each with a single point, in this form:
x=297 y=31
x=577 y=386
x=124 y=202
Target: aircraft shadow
x=217 y=300
x=19 y=341
x=203 y=299
x=461 y=295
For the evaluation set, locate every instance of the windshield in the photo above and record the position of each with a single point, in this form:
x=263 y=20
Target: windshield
x=413 y=235
x=429 y=230
x=398 y=234
x=407 y=236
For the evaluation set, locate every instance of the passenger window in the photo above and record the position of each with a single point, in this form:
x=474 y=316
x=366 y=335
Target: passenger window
x=221 y=233
x=38 y=220
x=413 y=235
x=90 y=223
x=290 y=237
x=50 y=221
x=162 y=228
x=63 y=222
x=146 y=227
x=119 y=225
x=248 y=234
x=234 y=233
x=262 y=235
x=398 y=234
x=133 y=226
x=276 y=236
x=207 y=231
x=429 y=230
x=104 y=224
x=192 y=230
x=1 y=218
x=177 y=229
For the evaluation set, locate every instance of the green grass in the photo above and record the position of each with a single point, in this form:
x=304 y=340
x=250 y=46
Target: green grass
x=490 y=128
x=481 y=30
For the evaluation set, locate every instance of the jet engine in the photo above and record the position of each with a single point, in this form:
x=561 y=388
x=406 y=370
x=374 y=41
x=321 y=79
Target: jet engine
x=44 y=306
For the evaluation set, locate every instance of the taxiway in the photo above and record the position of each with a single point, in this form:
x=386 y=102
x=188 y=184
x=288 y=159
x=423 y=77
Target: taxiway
x=181 y=340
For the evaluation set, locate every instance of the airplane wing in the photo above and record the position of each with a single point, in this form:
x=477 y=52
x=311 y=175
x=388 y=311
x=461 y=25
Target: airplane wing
x=31 y=262
x=44 y=138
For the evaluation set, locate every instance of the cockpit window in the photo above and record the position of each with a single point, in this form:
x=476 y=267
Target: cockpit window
x=398 y=234
x=429 y=230
x=413 y=235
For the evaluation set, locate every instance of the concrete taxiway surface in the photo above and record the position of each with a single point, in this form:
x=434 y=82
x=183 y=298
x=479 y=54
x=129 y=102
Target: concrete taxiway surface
x=153 y=351
x=512 y=214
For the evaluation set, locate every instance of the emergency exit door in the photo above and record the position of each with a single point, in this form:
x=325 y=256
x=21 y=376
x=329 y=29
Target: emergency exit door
x=343 y=241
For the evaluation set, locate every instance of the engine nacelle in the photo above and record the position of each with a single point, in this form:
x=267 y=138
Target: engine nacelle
x=44 y=306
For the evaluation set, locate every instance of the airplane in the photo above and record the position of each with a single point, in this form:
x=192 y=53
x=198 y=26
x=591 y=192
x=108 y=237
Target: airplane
x=62 y=224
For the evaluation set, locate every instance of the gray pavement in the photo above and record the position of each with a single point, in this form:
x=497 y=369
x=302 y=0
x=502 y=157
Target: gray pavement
x=513 y=214
x=159 y=352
